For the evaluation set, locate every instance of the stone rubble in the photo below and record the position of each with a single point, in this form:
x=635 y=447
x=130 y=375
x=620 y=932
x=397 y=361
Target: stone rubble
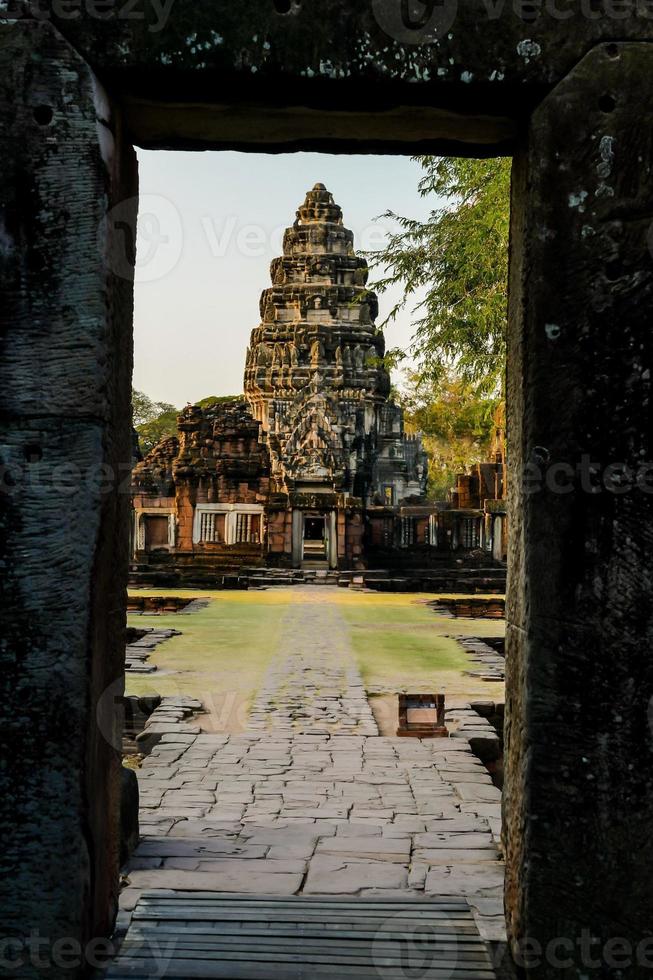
x=137 y=653
x=492 y=664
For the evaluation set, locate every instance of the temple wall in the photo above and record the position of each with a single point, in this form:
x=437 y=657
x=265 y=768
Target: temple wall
x=279 y=524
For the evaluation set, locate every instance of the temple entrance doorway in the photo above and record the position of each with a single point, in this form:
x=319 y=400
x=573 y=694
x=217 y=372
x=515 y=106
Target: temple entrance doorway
x=315 y=539
x=156 y=531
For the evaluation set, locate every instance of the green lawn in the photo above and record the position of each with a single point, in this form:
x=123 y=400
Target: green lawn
x=397 y=640
x=221 y=656
x=400 y=644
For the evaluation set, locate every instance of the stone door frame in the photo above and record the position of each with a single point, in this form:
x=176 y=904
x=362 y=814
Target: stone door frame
x=315 y=516
x=139 y=526
x=571 y=101
x=330 y=528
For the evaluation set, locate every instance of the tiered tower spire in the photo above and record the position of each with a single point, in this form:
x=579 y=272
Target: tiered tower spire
x=316 y=356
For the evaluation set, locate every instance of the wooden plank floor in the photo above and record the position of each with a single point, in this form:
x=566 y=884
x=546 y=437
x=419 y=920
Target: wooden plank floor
x=216 y=936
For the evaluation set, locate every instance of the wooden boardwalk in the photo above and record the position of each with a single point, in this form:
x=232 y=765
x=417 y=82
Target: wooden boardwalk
x=216 y=936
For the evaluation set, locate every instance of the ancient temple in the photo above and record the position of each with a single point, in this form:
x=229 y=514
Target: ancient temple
x=315 y=379
x=313 y=466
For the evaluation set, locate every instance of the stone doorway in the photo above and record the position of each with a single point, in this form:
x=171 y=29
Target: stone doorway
x=571 y=99
x=156 y=531
x=315 y=540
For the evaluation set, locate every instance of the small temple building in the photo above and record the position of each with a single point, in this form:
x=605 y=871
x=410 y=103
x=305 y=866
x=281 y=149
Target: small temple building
x=312 y=467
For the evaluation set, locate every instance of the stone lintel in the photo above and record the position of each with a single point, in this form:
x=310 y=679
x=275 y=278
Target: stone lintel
x=453 y=80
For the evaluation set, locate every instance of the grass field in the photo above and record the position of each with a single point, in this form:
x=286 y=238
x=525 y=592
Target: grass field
x=400 y=644
x=222 y=654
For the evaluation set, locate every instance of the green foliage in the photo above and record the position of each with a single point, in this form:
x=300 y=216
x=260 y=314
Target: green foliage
x=144 y=409
x=457 y=423
x=155 y=421
x=150 y=434
x=152 y=420
x=460 y=257
x=212 y=400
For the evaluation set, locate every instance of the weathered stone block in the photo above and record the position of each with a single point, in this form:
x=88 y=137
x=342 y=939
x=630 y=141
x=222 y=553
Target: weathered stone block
x=578 y=798
x=66 y=438
x=129 y=803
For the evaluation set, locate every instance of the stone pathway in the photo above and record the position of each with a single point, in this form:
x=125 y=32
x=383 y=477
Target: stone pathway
x=312 y=801
x=313 y=686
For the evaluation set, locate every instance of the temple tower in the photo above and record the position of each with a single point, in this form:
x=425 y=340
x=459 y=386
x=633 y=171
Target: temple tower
x=313 y=467
x=314 y=375
x=314 y=378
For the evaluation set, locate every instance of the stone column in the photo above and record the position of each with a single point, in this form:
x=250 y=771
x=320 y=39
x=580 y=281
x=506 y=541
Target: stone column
x=185 y=503
x=65 y=437
x=297 y=537
x=496 y=537
x=333 y=539
x=579 y=744
x=172 y=529
x=341 y=534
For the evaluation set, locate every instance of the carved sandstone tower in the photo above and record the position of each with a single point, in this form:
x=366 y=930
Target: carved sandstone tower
x=313 y=374
x=315 y=379
x=314 y=467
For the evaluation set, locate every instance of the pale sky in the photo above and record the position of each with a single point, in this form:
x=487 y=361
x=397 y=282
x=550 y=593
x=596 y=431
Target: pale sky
x=209 y=226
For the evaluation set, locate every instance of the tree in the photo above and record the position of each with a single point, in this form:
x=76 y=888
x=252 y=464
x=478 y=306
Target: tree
x=211 y=400
x=155 y=421
x=460 y=257
x=145 y=410
x=152 y=420
x=456 y=421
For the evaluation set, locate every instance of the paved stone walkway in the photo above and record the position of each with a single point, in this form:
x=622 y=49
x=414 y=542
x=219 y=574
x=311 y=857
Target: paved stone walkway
x=314 y=686
x=300 y=805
